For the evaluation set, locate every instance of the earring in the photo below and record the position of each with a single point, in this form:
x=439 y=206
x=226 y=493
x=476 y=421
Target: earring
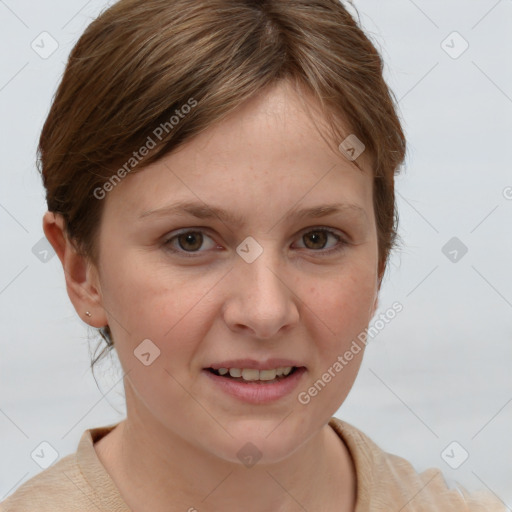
x=87 y=313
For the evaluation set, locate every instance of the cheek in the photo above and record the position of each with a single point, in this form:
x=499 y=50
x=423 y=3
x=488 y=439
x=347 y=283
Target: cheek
x=171 y=309
x=140 y=295
x=341 y=305
x=338 y=311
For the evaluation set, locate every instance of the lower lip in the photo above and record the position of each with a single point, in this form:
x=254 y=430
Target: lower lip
x=258 y=392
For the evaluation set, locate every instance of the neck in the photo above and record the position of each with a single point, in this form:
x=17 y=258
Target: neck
x=152 y=468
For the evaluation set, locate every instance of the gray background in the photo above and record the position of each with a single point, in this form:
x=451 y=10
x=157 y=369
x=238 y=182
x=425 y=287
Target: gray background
x=438 y=373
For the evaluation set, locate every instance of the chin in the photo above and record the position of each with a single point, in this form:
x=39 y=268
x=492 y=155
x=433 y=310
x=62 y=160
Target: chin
x=258 y=443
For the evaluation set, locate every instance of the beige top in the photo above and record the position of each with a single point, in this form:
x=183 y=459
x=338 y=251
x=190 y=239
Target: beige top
x=385 y=482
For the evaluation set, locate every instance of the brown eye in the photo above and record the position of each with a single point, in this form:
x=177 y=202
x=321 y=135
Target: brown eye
x=190 y=241
x=316 y=239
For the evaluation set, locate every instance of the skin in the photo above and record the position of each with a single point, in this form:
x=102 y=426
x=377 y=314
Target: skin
x=177 y=448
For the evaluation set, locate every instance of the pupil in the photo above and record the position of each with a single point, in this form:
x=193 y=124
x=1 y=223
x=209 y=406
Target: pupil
x=317 y=237
x=190 y=238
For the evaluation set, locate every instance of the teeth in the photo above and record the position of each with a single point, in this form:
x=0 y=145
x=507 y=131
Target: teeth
x=250 y=374
x=267 y=374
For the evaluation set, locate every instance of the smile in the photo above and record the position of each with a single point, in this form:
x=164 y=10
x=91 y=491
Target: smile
x=255 y=386
x=252 y=374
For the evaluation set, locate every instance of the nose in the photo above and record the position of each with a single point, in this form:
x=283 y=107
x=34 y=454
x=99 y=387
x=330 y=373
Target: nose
x=260 y=299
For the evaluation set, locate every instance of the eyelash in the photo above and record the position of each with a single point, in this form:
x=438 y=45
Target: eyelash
x=321 y=252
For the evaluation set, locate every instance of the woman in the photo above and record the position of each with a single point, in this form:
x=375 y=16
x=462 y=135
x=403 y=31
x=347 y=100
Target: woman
x=220 y=187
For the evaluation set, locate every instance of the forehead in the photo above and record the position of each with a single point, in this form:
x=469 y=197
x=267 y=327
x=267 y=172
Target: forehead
x=267 y=154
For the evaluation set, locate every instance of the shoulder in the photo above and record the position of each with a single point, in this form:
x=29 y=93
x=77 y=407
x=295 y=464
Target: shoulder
x=388 y=482
x=75 y=483
x=59 y=483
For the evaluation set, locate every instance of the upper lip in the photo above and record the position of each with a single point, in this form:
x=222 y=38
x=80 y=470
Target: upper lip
x=268 y=364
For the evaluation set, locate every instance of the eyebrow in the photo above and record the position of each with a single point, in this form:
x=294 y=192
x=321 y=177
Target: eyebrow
x=203 y=211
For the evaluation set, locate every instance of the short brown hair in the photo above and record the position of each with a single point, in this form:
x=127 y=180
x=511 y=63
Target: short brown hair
x=141 y=60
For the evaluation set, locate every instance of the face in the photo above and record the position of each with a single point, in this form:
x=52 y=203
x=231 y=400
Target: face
x=256 y=286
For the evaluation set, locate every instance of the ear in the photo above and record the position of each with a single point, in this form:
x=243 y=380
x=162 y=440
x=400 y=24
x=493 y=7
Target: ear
x=81 y=276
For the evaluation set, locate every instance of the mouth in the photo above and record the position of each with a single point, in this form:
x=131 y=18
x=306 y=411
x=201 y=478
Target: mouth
x=254 y=375
x=258 y=386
